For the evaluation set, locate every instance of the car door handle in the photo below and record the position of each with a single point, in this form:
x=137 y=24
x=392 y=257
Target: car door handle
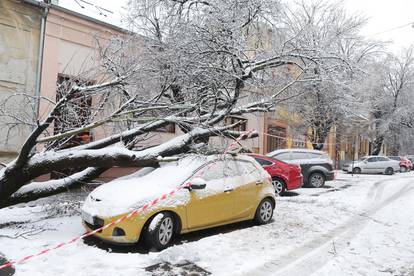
x=228 y=190
x=258 y=182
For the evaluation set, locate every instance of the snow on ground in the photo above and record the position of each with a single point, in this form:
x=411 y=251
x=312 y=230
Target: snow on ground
x=359 y=225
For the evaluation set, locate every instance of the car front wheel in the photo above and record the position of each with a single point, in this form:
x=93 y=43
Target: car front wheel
x=316 y=180
x=403 y=169
x=160 y=231
x=356 y=171
x=389 y=171
x=264 y=212
x=279 y=186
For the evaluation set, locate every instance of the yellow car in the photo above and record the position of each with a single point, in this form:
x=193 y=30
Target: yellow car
x=223 y=190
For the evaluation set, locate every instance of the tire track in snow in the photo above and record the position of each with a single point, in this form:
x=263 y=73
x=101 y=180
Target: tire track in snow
x=315 y=253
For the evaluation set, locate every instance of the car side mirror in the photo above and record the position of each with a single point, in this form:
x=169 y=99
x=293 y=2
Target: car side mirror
x=365 y=161
x=197 y=183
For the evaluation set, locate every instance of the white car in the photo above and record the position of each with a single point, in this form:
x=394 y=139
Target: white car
x=374 y=164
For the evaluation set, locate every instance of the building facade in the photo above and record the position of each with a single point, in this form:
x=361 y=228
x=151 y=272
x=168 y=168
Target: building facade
x=19 y=64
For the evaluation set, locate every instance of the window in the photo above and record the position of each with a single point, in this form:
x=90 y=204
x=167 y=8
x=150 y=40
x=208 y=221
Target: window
x=213 y=171
x=263 y=162
x=299 y=141
x=170 y=128
x=381 y=159
x=276 y=138
x=372 y=159
x=242 y=126
x=314 y=155
x=283 y=156
x=75 y=113
x=232 y=168
x=248 y=169
x=299 y=155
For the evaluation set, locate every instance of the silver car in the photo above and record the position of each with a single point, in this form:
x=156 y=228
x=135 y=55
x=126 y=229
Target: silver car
x=374 y=164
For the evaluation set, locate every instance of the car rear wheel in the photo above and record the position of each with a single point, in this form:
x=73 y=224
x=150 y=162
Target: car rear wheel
x=403 y=169
x=356 y=170
x=279 y=185
x=389 y=171
x=316 y=180
x=264 y=212
x=160 y=231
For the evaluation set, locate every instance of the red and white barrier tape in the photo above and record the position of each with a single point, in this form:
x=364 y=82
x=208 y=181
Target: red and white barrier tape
x=90 y=233
x=136 y=212
x=243 y=136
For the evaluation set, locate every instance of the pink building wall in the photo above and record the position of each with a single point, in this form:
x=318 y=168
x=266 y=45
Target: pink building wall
x=70 y=49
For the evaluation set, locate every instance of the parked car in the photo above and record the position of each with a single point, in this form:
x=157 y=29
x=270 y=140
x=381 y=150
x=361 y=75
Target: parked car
x=346 y=165
x=316 y=166
x=374 y=164
x=405 y=163
x=223 y=190
x=411 y=158
x=285 y=177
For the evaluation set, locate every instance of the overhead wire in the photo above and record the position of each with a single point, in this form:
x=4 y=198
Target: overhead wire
x=393 y=29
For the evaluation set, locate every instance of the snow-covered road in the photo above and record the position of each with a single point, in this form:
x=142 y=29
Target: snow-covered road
x=360 y=225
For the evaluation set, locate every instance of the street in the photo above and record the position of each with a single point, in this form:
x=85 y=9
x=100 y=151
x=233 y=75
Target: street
x=356 y=225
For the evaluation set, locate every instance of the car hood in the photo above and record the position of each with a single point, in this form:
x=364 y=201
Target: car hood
x=122 y=196
x=133 y=191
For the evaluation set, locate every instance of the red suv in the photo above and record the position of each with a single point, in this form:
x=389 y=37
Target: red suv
x=284 y=176
x=405 y=163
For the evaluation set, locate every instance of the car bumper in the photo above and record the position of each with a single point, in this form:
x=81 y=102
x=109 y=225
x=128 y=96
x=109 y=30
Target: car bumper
x=330 y=176
x=130 y=230
x=295 y=183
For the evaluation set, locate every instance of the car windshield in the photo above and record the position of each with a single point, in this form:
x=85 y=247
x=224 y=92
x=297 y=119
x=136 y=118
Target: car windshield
x=172 y=173
x=278 y=160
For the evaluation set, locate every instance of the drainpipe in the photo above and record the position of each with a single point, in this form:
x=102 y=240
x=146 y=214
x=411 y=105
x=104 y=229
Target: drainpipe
x=40 y=56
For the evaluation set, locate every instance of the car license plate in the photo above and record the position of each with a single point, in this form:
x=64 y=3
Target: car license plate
x=87 y=217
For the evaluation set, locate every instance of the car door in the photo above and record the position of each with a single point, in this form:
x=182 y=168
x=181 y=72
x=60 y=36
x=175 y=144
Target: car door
x=370 y=165
x=247 y=182
x=384 y=163
x=215 y=203
x=303 y=160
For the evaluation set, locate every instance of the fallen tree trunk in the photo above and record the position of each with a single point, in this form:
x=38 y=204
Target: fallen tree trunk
x=13 y=178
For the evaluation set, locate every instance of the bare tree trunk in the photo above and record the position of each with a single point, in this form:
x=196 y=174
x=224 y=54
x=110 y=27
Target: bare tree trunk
x=319 y=134
x=377 y=144
x=53 y=187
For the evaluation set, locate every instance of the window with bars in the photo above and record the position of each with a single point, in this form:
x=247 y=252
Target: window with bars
x=277 y=138
x=242 y=126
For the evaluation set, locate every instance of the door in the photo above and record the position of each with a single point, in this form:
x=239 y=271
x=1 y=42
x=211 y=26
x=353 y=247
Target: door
x=247 y=183
x=303 y=160
x=215 y=203
x=384 y=163
x=370 y=165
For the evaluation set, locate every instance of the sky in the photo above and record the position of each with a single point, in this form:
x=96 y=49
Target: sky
x=384 y=16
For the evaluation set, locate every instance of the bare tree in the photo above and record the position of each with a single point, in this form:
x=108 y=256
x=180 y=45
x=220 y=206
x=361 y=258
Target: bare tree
x=391 y=98
x=326 y=28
